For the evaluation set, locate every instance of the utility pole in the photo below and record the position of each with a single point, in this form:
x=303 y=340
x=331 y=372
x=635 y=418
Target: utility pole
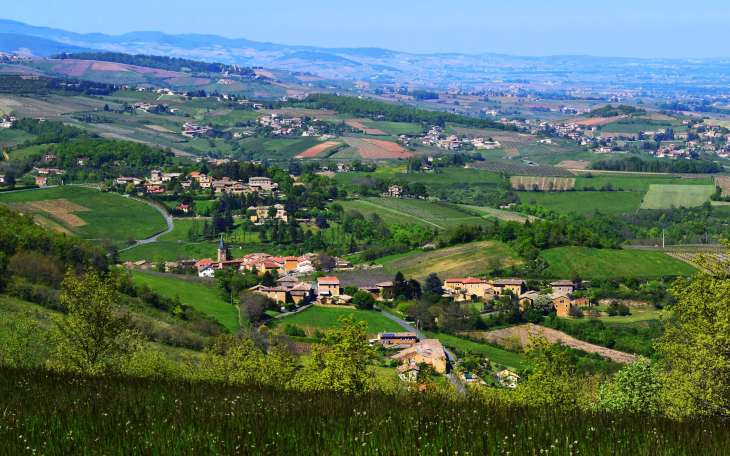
x=662 y=238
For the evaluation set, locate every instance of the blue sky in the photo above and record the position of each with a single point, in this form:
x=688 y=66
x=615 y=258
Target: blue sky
x=637 y=28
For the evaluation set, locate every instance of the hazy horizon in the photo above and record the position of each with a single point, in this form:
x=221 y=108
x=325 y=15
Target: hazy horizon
x=620 y=28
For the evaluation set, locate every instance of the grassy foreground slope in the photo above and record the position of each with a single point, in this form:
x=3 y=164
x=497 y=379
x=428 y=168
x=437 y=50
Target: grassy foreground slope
x=604 y=263
x=199 y=297
x=106 y=215
x=125 y=416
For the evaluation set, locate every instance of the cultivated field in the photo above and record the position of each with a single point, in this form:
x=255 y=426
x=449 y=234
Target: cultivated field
x=318 y=149
x=453 y=262
x=585 y=203
x=574 y=164
x=520 y=169
x=347 y=153
x=524 y=332
x=421 y=212
x=636 y=183
x=358 y=123
x=377 y=149
x=724 y=183
x=603 y=263
x=666 y=196
x=507 y=216
x=89 y=213
x=514 y=152
x=542 y=183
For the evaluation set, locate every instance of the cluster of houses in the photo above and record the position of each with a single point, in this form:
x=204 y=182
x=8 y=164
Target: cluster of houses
x=157 y=178
x=281 y=126
x=466 y=288
x=193 y=130
x=7 y=121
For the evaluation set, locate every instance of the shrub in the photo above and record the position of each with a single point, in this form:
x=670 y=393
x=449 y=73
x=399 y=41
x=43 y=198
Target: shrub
x=294 y=331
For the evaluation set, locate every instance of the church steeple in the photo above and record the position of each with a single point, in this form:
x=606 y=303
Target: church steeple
x=222 y=251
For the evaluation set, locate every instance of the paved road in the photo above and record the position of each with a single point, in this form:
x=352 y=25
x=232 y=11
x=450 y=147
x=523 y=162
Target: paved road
x=168 y=219
x=404 y=324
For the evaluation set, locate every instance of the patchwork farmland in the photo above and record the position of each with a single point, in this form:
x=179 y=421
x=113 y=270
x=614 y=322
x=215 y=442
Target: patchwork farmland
x=666 y=196
x=542 y=183
x=376 y=148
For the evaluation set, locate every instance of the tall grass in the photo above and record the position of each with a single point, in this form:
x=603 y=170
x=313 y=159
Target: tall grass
x=52 y=413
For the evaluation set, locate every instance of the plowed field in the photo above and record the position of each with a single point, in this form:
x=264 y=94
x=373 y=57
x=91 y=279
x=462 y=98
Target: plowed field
x=318 y=149
x=375 y=148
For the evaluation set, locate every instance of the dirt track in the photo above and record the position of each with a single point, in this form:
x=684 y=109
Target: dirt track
x=525 y=331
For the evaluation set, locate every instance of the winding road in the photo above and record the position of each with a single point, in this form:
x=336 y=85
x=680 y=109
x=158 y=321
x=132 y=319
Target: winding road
x=168 y=219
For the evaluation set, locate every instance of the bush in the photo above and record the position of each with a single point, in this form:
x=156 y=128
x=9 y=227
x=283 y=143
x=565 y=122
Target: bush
x=363 y=300
x=294 y=331
x=623 y=310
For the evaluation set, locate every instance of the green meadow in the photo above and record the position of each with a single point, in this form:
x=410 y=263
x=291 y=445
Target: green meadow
x=605 y=263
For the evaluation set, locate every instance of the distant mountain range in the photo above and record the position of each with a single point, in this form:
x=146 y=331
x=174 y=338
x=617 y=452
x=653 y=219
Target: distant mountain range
x=374 y=64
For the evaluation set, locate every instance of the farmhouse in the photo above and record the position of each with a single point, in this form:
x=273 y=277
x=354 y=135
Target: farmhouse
x=526 y=299
x=515 y=286
x=262 y=213
x=400 y=338
x=41 y=180
x=328 y=286
x=469 y=286
x=429 y=351
x=127 y=180
x=394 y=192
x=563 y=286
x=262 y=184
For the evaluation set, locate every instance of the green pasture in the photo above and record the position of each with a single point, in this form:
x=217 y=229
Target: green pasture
x=10 y=135
x=585 y=203
x=26 y=152
x=420 y=212
x=326 y=318
x=605 y=263
x=453 y=262
x=200 y=297
x=110 y=216
x=636 y=183
x=665 y=196
x=395 y=128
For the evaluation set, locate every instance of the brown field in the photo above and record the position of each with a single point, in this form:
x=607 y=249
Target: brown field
x=526 y=331
x=387 y=145
x=543 y=183
x=724 y=183
x=222 y=112
x=108 y=66
x=159 y=128
x=592 y=120
x=357 y=123
x=265 y=73
x=309 y=78
x=573 y=164
x=77 y=69
x=201 y=81
x=375 y=149
x=58 y=210
x=513 y=152
x=318 y=149
x=507 y=216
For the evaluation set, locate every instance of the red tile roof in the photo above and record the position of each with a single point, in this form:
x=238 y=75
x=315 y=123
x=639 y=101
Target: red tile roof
x=328 y=281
